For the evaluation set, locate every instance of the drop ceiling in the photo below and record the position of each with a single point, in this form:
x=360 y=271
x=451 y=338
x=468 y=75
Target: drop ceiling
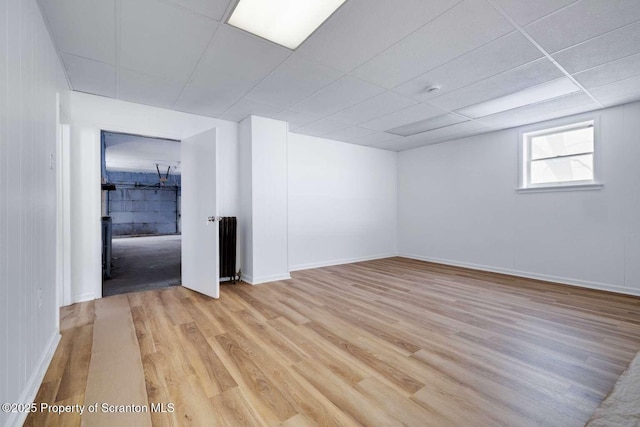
x=362 y=76
x=133 y=153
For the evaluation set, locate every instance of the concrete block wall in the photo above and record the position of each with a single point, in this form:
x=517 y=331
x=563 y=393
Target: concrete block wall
x=138 y=207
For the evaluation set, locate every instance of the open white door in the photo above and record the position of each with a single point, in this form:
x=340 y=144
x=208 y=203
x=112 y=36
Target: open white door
x=199 y=209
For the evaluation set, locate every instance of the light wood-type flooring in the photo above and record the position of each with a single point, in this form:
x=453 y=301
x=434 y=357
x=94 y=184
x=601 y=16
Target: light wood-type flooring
x=379 y=343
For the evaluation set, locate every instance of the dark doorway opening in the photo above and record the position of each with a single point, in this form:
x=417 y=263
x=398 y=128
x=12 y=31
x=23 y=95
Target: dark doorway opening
x=141 y=192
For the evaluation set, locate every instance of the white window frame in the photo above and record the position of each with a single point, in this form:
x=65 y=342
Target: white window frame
x=524 y=154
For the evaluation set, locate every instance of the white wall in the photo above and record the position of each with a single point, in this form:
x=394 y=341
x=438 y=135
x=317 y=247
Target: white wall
x=89 y=115
x=63 y=229
x=269 y=195
x=245 y=220
x=263 y=157
x=458 y=205
x=342 y=202
x=30 y=77
x=85 y=236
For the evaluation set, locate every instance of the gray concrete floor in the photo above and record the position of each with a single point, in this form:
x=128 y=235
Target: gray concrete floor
x=143 y=263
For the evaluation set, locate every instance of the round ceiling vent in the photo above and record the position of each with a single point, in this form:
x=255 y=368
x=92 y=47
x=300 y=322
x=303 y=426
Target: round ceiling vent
x=432 y=89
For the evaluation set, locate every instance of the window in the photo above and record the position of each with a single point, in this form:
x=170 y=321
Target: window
x=560 y=157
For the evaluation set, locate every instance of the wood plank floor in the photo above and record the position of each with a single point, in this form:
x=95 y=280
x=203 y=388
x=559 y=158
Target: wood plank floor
x=379 y=343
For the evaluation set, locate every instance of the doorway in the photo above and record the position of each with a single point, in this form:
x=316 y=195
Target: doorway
x=141 y=212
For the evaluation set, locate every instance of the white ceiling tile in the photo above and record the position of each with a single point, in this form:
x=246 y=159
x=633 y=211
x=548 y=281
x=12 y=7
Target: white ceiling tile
x=506 y=83
x=296 y=119
x=444 y=134
x=294 y=80
x=375 y=139
x=133 y=153
x=531 y=95
x=392 y=50
x=203 y=101
x=84 y=28
x=90 y=76
x=605 y=48
x=509 y=51
x=581 y=21
x=378 y=106
x=349 y=133
x=526 y=11
x=467 y=26
x=246 y=107
x=618 y=89
x=212 y=8
x=408 y=115
x=147 y=89
x=363 y=28
x=234 y=63
x=161 y=39
x=422 y=126
x=547 y=110
x=341 y=94
x=611 y=72
x=321 y=127
x=235 y=57
x=389 y=145
x=625 y=99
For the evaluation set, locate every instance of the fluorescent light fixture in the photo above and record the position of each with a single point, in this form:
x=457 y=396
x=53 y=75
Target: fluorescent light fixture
x=285 y=22
x=426 y=125
x=531 y=95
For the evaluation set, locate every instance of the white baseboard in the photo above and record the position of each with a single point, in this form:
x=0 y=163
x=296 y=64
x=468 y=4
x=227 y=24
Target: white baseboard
x=89 y=296
x=31 y=389
x=264 y=279
x=339 y=262
x=529 y=275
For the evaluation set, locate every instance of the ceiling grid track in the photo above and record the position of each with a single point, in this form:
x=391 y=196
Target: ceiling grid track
x=195 y=69
x=204 y=52
x=308 y=58
x=597 y=37
x=303 y=99
x=227 y=14
x=364 y=71
x=54 y=39
x=543 y=51
x=183 y=8
x=257 y=84
x=406 y=36
x=345 y=108
x=349 y=73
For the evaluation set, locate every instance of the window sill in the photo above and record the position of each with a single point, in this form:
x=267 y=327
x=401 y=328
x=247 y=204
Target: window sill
x=556 y=188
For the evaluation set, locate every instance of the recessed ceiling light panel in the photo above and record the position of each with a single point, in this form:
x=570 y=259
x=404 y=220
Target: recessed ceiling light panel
x=542 y=92
x=285 y=22
x=426 y=125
